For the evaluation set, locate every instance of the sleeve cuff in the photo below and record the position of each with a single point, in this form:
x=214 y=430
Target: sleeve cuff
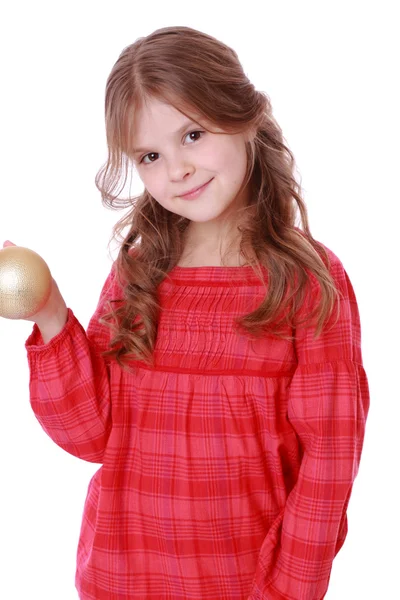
x=35 y=343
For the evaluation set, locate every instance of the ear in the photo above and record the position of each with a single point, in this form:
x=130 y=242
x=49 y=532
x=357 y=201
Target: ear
x=250 y=134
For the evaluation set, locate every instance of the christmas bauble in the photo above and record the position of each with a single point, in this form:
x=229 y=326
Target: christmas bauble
x=25 y=282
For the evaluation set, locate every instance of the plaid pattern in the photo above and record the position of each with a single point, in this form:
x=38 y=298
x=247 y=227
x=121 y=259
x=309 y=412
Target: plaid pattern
x=227 y=468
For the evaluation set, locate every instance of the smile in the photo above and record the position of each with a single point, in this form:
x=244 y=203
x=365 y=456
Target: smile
x=196 y=193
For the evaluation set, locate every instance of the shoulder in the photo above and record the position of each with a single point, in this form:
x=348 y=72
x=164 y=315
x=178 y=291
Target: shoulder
x=115 y=279
x=335 y=267
x=338 y=274
x=333 y=258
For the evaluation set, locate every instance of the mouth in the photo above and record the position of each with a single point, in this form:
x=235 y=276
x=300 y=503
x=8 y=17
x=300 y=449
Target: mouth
x=196 y=192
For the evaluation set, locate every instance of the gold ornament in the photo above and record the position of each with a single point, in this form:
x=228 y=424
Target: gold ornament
x=25 y=282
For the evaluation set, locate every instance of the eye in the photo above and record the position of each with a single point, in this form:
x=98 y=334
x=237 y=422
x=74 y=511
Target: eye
x=152 y=153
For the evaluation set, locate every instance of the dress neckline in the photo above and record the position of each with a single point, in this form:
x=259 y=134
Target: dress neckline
x=214 y=274
x=210 y=267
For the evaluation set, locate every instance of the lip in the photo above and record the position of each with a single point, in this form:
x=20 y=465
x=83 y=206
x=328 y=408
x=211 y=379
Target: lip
x=195 y=191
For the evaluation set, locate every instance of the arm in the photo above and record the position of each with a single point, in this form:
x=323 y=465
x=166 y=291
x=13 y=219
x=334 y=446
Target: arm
x=70 y=382
x=328 y=405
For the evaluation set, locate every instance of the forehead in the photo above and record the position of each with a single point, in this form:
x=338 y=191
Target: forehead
x=161 y=116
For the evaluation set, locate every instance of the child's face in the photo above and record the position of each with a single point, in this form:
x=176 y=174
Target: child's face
x=181 y=162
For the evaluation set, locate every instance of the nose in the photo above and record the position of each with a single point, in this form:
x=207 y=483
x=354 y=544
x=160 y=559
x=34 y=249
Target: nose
x=179 y=169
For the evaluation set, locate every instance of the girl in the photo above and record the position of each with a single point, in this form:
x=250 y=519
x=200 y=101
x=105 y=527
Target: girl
x=220 y=381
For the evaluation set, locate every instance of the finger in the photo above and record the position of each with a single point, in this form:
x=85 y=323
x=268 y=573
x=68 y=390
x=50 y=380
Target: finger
x=8 y=243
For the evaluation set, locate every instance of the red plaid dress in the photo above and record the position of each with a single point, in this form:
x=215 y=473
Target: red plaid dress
x=227 y=469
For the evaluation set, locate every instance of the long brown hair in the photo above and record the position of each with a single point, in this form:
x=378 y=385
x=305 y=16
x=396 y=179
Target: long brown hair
x=193 y=71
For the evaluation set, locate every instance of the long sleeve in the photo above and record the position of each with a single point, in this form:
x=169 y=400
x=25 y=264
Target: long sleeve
x=70 y=383
x=328 y=403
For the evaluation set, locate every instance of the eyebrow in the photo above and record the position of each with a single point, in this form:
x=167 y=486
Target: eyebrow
x=180 y=130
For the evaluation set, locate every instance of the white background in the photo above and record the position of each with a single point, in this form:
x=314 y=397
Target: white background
x=331 y=72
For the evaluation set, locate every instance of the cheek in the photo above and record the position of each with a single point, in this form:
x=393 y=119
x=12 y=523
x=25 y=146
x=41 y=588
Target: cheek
x=152 y=183
x=238 y=164
x=230 y=167
x=156 y=186
x=228 y=158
